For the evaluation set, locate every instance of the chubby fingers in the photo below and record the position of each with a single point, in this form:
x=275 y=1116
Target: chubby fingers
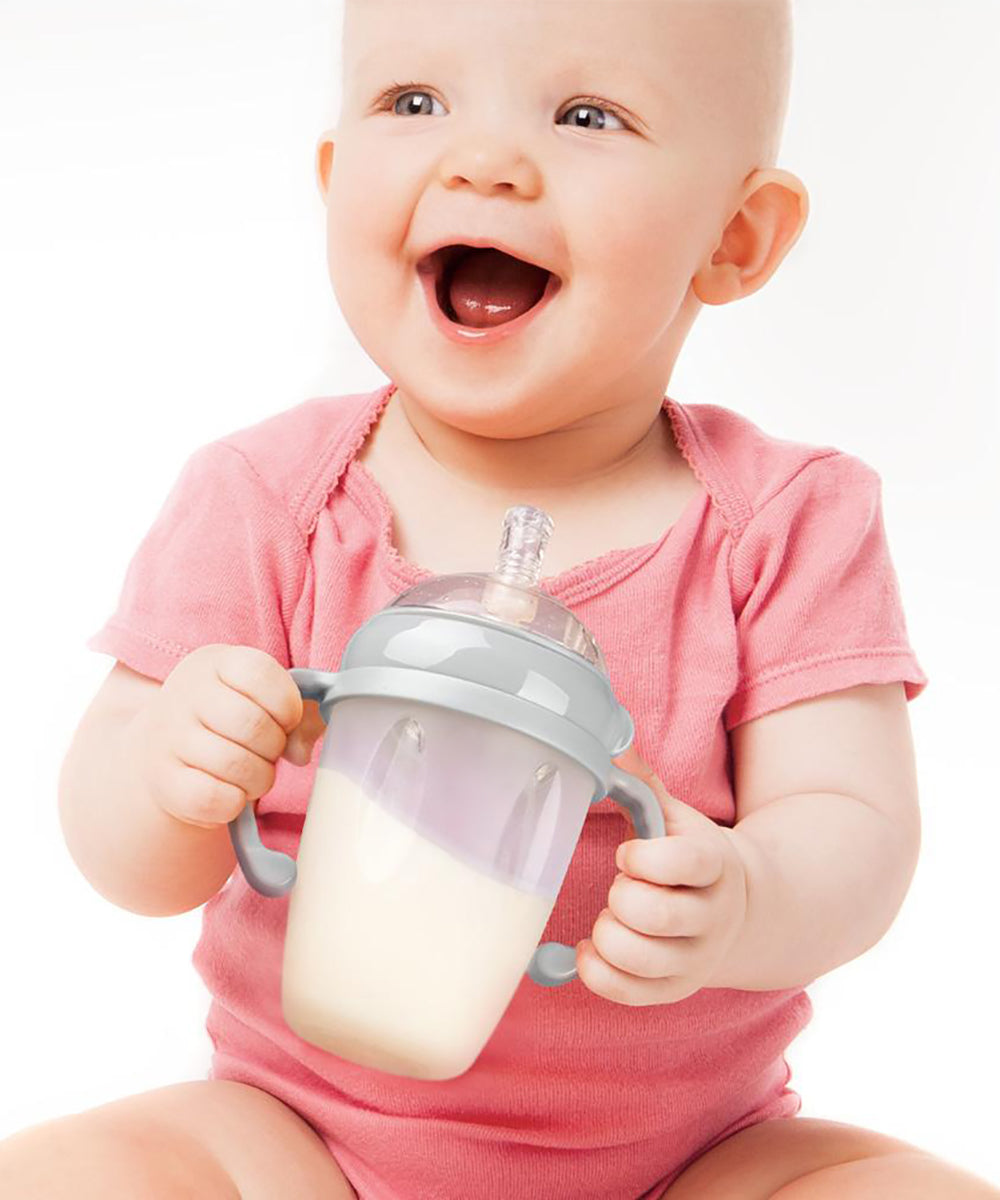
x=658 y=911
x=676 y=860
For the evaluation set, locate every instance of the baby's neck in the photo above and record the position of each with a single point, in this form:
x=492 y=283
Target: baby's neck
x=590 y=451
x=446 y=524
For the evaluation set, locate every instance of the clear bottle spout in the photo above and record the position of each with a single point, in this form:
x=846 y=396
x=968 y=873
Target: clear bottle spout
x=511 y=593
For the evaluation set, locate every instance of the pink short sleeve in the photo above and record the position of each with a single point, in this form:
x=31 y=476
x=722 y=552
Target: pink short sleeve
x=222 y=562
x=815 y=593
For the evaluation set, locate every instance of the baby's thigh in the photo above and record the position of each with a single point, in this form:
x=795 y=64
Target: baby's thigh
x=214 y=1139
x=762 y=1160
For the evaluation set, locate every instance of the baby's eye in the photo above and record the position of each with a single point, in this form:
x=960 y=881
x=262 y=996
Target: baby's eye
x=418 y=107
x=587 y=107
x=410 y=108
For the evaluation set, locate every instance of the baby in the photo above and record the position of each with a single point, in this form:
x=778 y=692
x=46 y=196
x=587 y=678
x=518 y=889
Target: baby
x=610 y=163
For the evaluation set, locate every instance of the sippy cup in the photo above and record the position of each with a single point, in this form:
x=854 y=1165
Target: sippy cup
x=470 y=726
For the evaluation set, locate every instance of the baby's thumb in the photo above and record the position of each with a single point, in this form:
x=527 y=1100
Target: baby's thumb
x=678 y=816
x=302 y=739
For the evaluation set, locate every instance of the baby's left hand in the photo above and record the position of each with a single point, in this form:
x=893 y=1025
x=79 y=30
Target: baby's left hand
x=673 y=914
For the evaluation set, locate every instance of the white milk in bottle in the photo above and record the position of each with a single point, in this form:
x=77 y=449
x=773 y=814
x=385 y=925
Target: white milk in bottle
x=398 y=954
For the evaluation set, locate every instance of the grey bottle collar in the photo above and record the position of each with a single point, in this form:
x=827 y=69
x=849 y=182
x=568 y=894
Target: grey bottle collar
x=512 y=662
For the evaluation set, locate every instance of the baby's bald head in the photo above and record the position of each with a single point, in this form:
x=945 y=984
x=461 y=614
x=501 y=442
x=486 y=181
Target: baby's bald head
x=742 y=66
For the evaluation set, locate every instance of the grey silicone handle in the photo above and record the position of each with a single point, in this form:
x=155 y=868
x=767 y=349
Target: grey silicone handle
x=554 y=963
x=269 y=871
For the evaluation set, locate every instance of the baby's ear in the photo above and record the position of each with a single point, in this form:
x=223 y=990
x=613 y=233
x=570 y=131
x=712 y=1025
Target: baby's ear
x=324 y=161
x=766 y=226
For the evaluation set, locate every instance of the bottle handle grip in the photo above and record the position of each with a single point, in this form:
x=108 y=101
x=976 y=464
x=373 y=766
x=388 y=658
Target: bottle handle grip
x=554 y=963
x=271 y=872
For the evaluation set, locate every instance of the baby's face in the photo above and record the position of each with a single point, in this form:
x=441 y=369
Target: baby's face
x=607 y=139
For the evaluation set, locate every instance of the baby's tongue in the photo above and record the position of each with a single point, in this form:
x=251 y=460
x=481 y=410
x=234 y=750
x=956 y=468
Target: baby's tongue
x=489 y=287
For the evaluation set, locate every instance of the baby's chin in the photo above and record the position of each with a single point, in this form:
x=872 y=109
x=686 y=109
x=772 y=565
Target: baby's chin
x=481 y=388
x=504 y=410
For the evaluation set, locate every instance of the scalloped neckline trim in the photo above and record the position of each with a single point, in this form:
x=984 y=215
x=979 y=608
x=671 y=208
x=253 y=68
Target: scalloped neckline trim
x=576 y=583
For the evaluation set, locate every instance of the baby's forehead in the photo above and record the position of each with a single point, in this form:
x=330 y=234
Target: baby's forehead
x=670 y=38
x=640 y=40
x=564 y=25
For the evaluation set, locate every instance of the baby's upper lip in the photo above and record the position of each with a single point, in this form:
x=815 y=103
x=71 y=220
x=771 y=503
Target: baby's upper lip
x=426 y=262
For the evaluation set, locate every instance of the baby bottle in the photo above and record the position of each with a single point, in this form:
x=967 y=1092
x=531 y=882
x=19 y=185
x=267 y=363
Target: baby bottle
x=469 y=727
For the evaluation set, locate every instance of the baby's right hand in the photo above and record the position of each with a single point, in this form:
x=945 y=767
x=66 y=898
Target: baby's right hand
x=208 y=740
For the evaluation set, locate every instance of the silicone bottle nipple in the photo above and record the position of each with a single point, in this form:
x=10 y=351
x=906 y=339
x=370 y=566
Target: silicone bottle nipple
x=510 y=594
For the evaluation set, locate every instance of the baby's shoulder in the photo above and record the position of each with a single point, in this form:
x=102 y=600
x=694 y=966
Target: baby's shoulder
x=293 y=450
x=746 y=466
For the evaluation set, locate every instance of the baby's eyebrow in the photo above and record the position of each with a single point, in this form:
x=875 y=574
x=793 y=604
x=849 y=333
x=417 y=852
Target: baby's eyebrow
x=616 y=79
x=608 y=74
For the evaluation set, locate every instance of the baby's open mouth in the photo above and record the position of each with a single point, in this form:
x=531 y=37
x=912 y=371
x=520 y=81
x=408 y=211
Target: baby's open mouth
x=481 y=286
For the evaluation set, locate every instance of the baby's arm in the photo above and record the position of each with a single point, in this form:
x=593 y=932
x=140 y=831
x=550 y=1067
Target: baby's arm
x=128 y=848
x=156 y=771
x=828 y=828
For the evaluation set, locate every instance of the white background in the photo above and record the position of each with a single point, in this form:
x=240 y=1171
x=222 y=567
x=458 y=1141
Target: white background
x=163 y=281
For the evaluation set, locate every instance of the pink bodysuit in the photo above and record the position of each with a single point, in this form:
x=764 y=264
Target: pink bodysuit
x=775 y=584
